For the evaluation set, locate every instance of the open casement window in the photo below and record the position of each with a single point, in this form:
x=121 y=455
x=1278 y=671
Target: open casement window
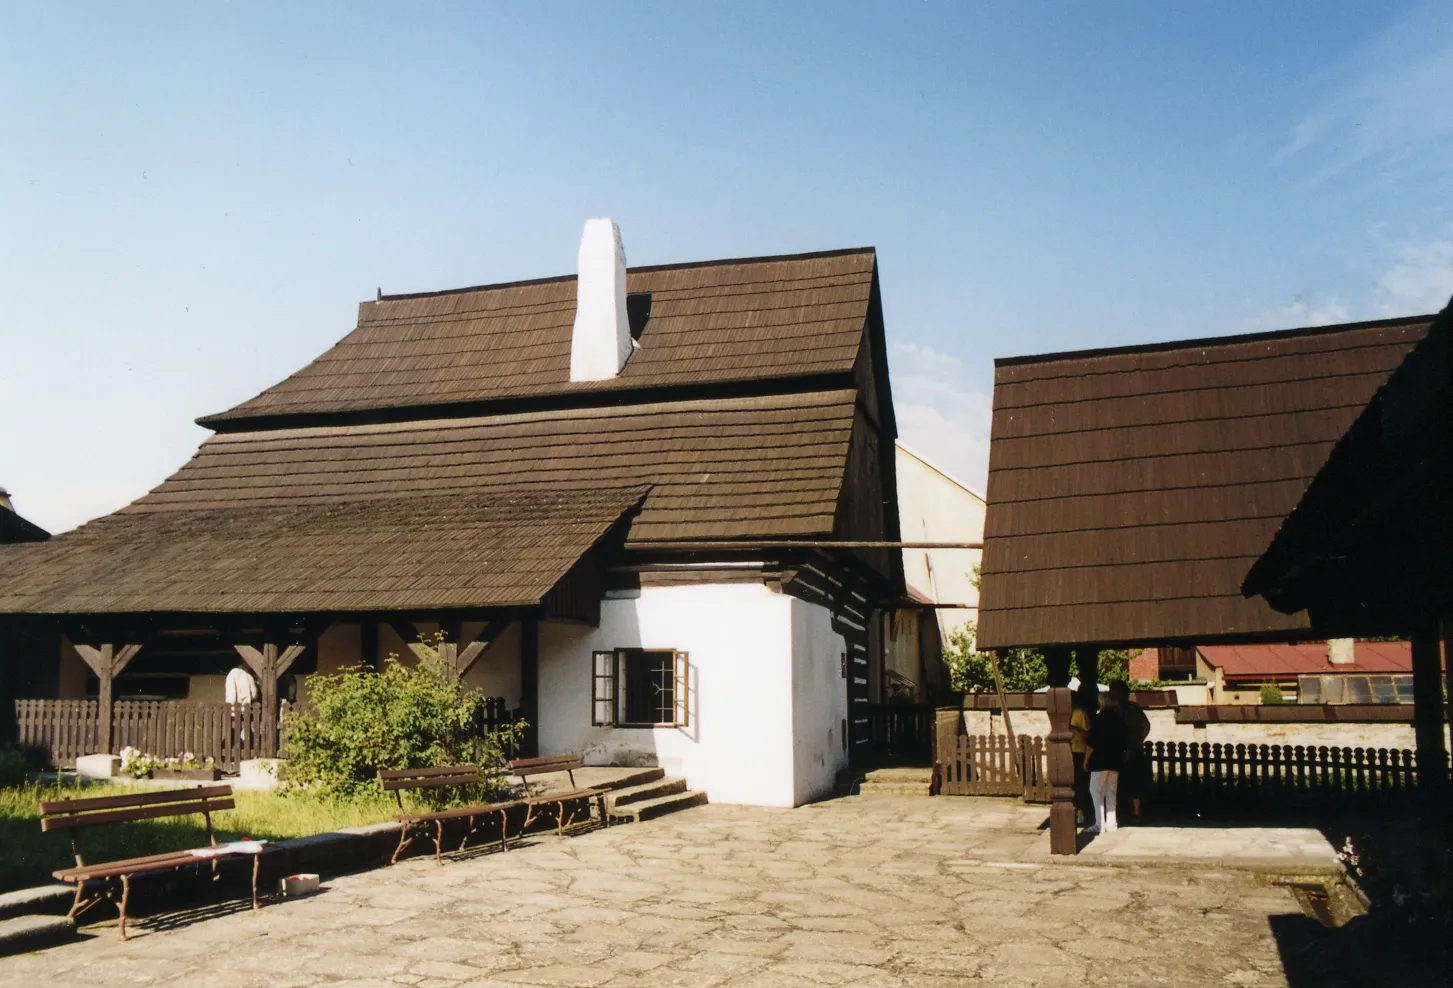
x=635 y=687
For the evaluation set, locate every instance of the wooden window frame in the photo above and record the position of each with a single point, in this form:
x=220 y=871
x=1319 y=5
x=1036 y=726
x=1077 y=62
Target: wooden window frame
x=608 y=677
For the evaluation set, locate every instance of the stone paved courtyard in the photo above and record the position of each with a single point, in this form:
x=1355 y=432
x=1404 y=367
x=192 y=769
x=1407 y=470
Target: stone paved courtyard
x=865 y=892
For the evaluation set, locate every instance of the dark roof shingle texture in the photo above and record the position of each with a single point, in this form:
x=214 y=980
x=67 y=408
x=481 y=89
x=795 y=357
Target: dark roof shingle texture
x=478 y=550
x=723 y=321
x=1129 y=491
x=720 y=468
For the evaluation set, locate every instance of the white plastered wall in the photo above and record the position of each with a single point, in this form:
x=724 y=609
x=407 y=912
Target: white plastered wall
x=935 y=507
x=766 y=697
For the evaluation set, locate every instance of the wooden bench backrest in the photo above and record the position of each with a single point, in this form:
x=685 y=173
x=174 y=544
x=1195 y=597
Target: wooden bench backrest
x=526 y=767
x=72 y=814
x=394 y=779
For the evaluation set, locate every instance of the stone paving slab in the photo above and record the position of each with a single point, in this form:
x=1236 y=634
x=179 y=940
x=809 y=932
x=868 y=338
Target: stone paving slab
x=1284 y=850
x=872 y=893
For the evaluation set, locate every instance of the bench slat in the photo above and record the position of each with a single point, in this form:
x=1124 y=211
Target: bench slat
x=461 y=811
x=559 y=797
x=434 y=783
x=546 y=764
x=424 y=773
x=112 y=869
x=137 y=799
x=135 y=813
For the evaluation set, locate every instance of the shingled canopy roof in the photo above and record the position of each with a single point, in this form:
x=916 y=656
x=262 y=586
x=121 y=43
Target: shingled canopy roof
x=708 y=323
x=1367 y=549
x=500 y=550
x=1130 y=490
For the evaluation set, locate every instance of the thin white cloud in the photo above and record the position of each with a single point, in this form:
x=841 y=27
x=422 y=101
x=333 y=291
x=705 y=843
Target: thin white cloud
x=939 y=413
x=1421 y=281
x=1297 y=314
x=1391 y=97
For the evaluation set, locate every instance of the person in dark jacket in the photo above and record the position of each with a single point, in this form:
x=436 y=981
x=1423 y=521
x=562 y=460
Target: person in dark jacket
x=1135 y=773
x=1104 y=756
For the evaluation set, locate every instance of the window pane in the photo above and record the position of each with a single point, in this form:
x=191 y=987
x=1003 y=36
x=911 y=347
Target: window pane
x=649 y=688
x=1357 y=690
x=1383 y=691
x=1309 y=689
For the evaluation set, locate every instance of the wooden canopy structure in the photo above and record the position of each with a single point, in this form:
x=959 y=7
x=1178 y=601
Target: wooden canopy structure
x=1131 y=489
x=1368 y=549
x=437 y=464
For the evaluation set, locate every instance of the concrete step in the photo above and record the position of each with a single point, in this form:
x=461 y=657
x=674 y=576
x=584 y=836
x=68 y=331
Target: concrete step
x=22 y=933
x=645 y=791
x=881 y=789
x=648 y=809
x=48 y=899
x=896 y=781
x=639 y=777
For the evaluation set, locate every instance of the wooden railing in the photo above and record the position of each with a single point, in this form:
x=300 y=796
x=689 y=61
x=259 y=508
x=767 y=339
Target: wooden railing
x=1194 y=776
x=995 y=765
x=227 y=733
x=901 y=732
x=1228 y=775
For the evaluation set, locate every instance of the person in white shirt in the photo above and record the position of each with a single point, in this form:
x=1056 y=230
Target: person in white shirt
x=241 y=687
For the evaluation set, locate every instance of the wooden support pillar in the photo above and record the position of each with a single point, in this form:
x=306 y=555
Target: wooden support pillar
x=530 y=683
x=1432 y=752
x=369 y=647
x=1087 y=666
x=267 y=664
x=1062 y=837
x=1057 y=666
x=459 y=655
x=106 y=661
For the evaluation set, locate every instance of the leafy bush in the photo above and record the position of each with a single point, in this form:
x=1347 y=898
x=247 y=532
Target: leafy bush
x=1023 y=669
x=1271 y=694
x=14 y=765
x=407 y=716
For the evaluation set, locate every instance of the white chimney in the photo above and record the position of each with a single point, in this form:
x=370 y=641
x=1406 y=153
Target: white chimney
x=601 y=342
x=1341 y=651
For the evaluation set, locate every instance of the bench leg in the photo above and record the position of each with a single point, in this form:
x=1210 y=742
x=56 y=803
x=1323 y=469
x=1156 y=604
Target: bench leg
x=125 y=897
x=405 y=828
x=504 y=831
x=256 y=866
x=439 y=843
x=468 y=832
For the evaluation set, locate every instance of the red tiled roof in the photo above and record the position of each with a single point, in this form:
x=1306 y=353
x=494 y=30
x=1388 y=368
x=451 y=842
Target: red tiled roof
x=1242 y=662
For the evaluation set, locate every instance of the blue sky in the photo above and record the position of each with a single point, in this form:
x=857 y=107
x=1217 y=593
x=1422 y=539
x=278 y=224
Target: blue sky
x=195 y=197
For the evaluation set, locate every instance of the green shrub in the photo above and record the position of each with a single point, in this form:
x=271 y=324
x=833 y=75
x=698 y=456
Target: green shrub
x=416 y=716
x=1271 y=694
x=14 y=766
x=970 y=672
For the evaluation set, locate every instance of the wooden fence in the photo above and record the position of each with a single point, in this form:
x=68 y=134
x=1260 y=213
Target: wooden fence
x=1289 y=776
x=1219 y=777
x=227 y=733
x=901 y=732
x=995 y=765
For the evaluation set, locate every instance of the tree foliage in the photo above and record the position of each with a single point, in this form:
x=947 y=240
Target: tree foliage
x=407 y=716
x=970 y=670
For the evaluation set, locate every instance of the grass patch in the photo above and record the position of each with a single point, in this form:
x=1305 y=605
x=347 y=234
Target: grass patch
x=27 y=856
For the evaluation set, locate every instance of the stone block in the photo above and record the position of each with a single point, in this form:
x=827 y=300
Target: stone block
x=258 y=773
x=98 y=766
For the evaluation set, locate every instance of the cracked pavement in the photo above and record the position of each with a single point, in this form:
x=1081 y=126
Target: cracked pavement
x=869 y=892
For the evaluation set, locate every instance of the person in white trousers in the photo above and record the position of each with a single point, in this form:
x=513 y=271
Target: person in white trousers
x=1104 y=754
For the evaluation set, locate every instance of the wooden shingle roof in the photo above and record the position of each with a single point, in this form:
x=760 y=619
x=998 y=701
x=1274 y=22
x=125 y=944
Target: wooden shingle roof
x=504 y=549
x=714 y=322
x=1130 y=490
x=720 y=468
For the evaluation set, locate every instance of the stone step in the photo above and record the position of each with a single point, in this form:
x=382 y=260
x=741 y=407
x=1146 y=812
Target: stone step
x=648 y=809
x=21 y=933
x=49 y=899
x=639 y=777
x=887 y=789
x=644 y=791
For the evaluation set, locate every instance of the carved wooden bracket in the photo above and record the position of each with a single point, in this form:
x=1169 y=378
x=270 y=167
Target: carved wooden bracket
x=459 y=656
x=106 y=661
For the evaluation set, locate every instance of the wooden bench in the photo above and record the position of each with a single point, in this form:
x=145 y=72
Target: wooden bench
x=559 y=801
x=76 y=814
x=411 y=825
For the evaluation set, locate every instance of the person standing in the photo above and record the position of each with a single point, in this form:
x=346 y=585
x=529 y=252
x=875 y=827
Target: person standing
x=1135 y=775
x=1104 y=756
x=240 y=690
x=1084 y=701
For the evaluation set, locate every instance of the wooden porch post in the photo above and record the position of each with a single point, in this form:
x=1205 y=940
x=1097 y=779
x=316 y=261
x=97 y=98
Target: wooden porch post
x=1057 y=666
x=1428 y=710
x=1062 y=838
x=1087 y=666
x=530 y=682
x=267 y=664
x=106 y=661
